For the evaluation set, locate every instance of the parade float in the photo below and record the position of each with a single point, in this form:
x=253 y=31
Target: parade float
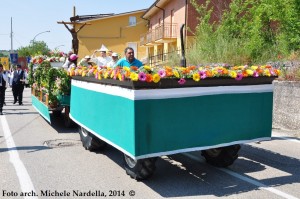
x=148 y=112
x=50 y=86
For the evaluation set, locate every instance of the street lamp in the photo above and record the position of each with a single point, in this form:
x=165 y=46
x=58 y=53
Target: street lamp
x=58 y=46
x=39 y=34
x=33 y=47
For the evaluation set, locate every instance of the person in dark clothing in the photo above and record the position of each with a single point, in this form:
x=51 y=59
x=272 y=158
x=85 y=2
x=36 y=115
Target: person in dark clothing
x=18 y=80
x=3 y=84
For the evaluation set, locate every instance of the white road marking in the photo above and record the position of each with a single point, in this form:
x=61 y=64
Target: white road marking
x=23 y=176
x=246 y=179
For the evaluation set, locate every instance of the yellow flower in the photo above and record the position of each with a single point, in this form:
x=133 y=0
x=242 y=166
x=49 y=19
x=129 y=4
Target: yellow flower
x=214 y=72
x=176 y=74
x=196 y=77
x=112 y=75
x=156 y=78
x=83 y=74
x=254 y=67
x=99 y=76
x=232 y=74
x=134 y=77
x=249 y=72
x=126 y=68
x=147 y=67
x=267 y=72
x=120 y=76
x=106 y=75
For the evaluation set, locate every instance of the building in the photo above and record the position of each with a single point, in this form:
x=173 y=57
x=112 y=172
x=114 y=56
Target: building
x=165 y=19
x=115 y=31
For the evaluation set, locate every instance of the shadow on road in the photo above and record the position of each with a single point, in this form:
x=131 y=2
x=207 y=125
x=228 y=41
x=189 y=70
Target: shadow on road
x=193 y=178
x=30 y=149
x=57 y=123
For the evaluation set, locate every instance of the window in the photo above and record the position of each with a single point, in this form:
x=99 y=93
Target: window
x=132 y=21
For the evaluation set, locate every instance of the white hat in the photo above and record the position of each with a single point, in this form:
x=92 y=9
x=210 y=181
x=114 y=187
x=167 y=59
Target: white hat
x=87 y=57
x=103 y=48
x=114 y=55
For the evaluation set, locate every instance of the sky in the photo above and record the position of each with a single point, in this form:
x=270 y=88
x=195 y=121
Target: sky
x=31 y=17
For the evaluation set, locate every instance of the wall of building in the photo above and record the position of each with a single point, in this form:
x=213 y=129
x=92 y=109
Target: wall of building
x=178 y=8
x=114 y=33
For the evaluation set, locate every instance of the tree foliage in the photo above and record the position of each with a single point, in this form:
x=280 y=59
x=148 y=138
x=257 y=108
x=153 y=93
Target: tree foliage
x=35 y=48
x=250 y=31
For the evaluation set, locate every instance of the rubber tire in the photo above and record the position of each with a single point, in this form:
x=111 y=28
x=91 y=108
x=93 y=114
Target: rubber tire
x=89 y=141
x=56 y=113
x=68 y=122
x=222 y=157
x=139 y=169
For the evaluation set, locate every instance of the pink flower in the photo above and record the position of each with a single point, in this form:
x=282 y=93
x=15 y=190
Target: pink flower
x=142 y=76
x=272 y=72
x=181 y=81
x=255 y=74
x=239 y=77
x=202 y=74
x=162 y=73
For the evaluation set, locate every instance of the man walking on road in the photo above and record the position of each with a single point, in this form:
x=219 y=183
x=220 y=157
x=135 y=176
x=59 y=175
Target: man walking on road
x=18 y=80
x=3 y=82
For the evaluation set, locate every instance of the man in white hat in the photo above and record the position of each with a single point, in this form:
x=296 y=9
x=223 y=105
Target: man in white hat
x=85 y=61
x=103 y=59
x=114 y=60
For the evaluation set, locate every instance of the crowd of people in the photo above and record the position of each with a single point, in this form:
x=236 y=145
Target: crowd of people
x=15 y=78
x=106 y=58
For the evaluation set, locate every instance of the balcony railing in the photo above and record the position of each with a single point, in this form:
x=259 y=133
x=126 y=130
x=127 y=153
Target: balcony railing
x=143 y=39
x=164 y=31
x=149 y=37
x=160 y=58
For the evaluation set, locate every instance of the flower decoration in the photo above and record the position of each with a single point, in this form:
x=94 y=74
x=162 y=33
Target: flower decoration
x=182 y=74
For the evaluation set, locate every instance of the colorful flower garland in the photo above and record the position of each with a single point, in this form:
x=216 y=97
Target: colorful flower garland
x=155 y=74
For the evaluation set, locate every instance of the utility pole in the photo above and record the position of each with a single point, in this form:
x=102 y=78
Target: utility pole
x=11 y=37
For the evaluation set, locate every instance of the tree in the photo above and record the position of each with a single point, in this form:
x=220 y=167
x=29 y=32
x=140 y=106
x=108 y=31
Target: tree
x=2 y=55
x=34 y=48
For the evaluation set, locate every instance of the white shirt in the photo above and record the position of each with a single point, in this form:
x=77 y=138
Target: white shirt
x=83 y=62
x=112 y=63
x=66 y=64
x=4 y=77
x=103 y=61
x=12 y=76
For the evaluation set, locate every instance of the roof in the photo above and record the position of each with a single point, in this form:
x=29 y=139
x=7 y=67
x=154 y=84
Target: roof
x=152 y=9
x=86 y=18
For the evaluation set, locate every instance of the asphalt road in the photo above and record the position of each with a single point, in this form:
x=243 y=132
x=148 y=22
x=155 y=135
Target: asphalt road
x=40 y=160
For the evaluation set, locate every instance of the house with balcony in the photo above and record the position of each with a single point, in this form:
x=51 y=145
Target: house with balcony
x=164 y=20
x=115 y=31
